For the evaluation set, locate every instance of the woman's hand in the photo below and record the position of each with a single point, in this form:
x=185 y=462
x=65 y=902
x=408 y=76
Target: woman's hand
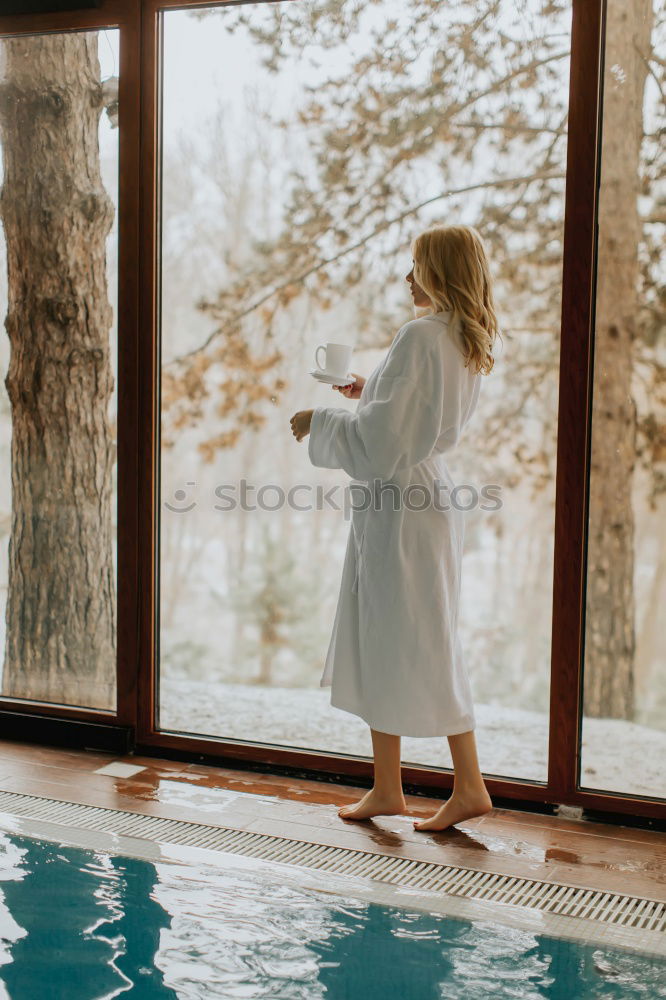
x=354 y=389
x=300 y=424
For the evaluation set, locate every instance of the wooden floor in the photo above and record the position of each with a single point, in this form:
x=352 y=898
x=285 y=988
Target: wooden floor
x=614 y=858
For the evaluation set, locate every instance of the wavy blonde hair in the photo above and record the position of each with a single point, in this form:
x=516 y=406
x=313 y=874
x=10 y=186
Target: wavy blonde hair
x=451 y=266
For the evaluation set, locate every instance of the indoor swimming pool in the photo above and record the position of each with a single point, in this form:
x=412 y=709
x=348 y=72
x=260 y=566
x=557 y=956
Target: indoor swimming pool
x=79 y=924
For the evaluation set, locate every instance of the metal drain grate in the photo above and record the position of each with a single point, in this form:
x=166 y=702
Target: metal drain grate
x=564 y=900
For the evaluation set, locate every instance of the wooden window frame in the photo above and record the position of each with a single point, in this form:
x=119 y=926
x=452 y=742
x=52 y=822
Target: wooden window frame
x=139 y=24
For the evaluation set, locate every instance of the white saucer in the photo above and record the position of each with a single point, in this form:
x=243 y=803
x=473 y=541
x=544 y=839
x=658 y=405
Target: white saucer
x=322 y=376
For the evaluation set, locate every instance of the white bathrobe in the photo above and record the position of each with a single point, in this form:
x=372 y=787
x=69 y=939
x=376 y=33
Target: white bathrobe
x=394 y=656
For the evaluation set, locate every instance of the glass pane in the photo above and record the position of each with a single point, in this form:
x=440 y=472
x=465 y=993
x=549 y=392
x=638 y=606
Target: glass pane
x=304 y=146
x=624 y=726
x=58 y=401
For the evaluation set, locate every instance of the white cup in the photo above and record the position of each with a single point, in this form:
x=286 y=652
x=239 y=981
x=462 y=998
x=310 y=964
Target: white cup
x=338 y=358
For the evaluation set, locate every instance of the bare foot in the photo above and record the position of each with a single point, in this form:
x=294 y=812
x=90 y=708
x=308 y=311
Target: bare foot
x=374 y=804
x=456 y=809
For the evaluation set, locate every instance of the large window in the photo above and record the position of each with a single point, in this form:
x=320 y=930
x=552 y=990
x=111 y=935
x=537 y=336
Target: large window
x=298 y=162
x=58 y=399
x=624 y=727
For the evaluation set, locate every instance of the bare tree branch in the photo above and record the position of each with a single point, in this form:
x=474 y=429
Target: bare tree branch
x=519 y=129
x=299 y=278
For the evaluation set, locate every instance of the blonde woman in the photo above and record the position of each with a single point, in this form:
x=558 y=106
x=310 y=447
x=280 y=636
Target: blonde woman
x=394 y=657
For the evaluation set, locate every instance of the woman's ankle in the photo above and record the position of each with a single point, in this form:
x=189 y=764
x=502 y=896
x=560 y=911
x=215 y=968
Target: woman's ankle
x=385 y=791
x=470 y=789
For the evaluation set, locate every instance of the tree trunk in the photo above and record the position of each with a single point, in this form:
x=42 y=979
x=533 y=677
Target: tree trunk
x=651 y=696
x=610 y=621
x=61 y=610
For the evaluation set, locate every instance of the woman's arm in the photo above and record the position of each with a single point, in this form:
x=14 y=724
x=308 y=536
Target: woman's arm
x=400 y=425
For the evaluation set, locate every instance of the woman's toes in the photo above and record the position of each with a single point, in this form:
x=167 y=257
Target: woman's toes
x=374 y=805
x=457 y=809
x=427 y=824
x=348 y=810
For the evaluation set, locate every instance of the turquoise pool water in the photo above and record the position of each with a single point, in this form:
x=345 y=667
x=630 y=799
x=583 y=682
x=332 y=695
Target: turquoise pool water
x=80 y=925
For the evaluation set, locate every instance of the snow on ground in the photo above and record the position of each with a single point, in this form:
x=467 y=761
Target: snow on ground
x=617 y=755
